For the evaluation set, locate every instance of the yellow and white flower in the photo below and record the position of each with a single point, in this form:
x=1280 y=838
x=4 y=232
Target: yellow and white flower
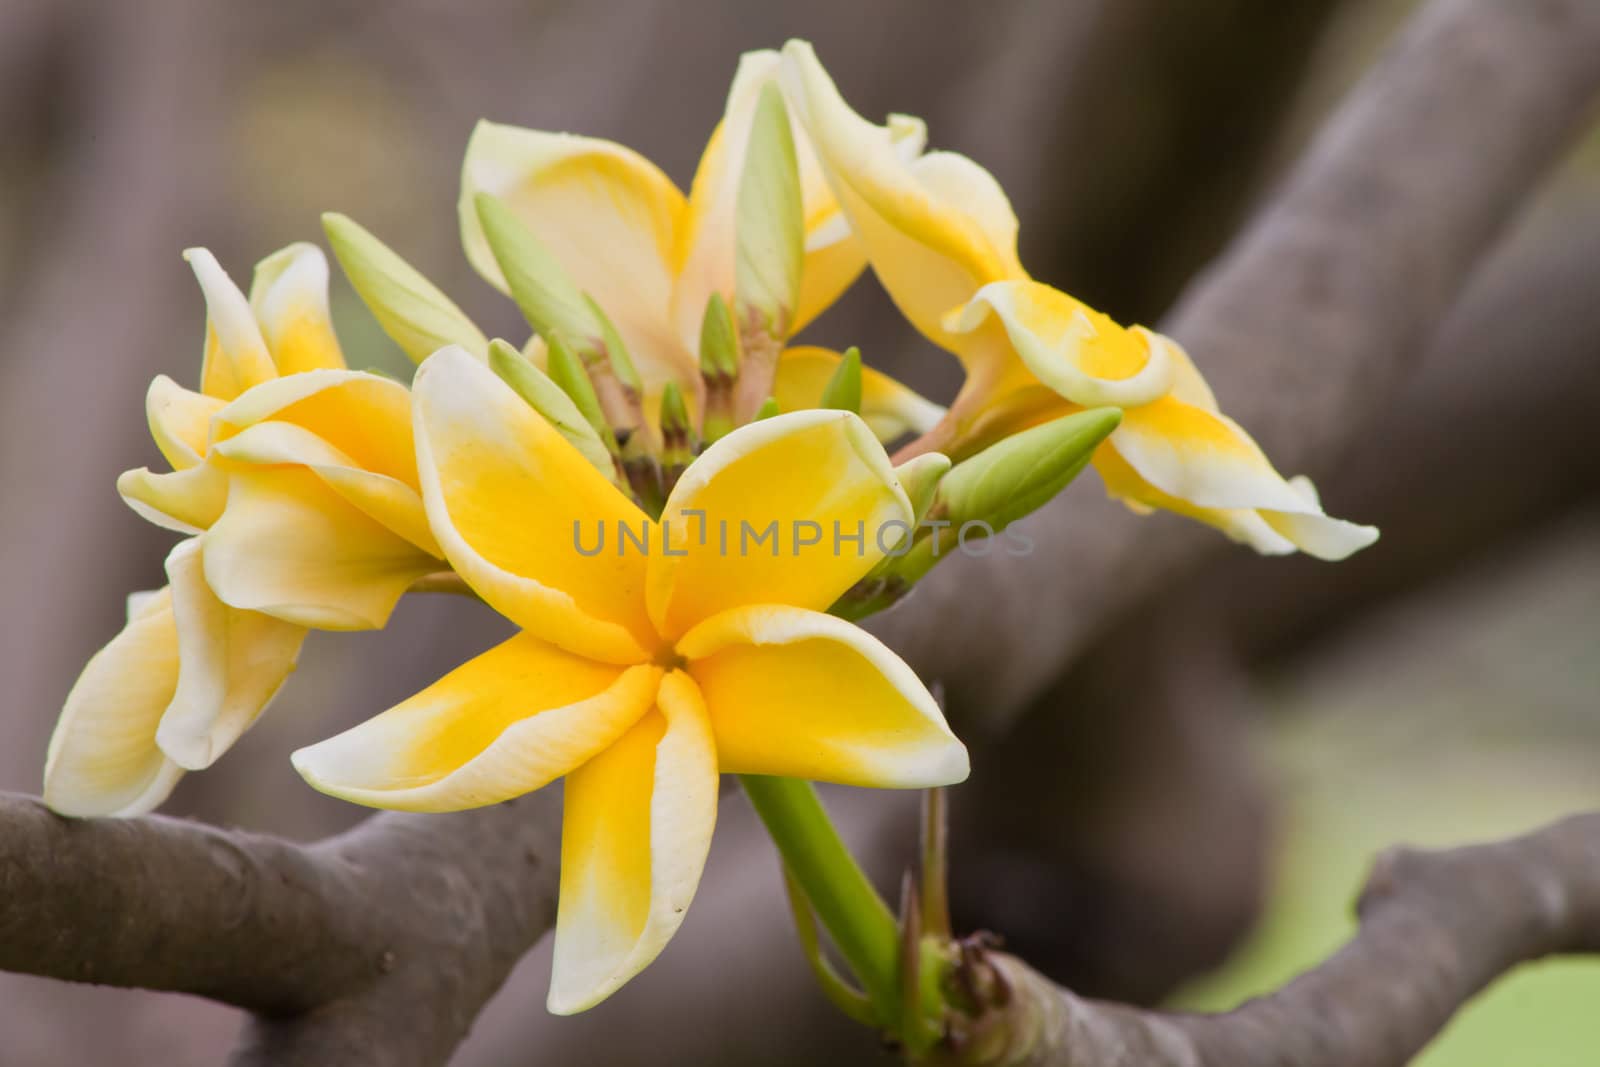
x=640 y=674
x=652 y=258
x=296 y=481
x=941 y=236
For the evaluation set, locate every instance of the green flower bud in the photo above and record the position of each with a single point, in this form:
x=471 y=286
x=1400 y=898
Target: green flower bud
x=566 y=371
x=843 y=391
x=548 y=297
x=1018 y=474
x=920 y=477
x=409 y=308
x=549 y=400
x=770 y=220
x=614 y=350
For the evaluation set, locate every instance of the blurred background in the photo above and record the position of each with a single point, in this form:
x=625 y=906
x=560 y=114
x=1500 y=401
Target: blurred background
x=1441 y=687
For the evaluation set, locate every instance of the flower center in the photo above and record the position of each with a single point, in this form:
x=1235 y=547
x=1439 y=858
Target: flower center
x=667 y=658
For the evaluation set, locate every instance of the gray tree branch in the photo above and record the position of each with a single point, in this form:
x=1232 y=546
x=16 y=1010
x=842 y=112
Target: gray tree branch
x=377 y=946
x=1436 y=928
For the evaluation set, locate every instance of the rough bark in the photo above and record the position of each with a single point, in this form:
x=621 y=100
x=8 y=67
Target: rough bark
x=1436 y=928
x=377 y=946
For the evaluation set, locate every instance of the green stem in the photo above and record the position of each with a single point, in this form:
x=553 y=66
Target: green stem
x=858 y=921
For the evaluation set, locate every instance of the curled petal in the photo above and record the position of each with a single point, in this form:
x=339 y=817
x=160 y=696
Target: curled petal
x=638 y=825
x=889 y=408
x=365 y=416
x=186 y=501
x=1271 y=532
x=389 y=501
x=506 y=723
x=236 y=355
x=180 y=421
x=289 y=296
x=1072 y=348
x=935 y=229
x=608 y=216
x=801 y=694
x=1201 y=456
x=232 y=663
x=788 y=510
x=103 y=758
x=506 y=495
x=835 y=256
x=290 y=546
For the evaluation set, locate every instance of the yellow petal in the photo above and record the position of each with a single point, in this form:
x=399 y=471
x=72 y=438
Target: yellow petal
x=231 y=664
x=835 y=256
x=186 y=501
x=365 y=416
x=1270 y=532
x=801 y=694
x=292 y=547
x=103 y=758
x=1317 y=534
x=606 y=214
x=180 y=421
x=1200 y=456
x=236 y=355
x=936 y=229
x=505 y=723
x=1188 y=385
x=289 y=297
x=389 y=501
x=506 y=496
x=1075 y=350
x=890 y=408
x=638 y=823
x=739 y=519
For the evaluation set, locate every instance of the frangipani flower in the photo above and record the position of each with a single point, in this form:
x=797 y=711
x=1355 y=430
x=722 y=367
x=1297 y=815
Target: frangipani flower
x=640 y=674
x=941 y=236
x=296 y=479
x=653 y=259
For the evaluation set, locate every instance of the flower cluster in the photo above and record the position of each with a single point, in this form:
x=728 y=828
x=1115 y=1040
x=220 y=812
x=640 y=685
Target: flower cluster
x=660 y=393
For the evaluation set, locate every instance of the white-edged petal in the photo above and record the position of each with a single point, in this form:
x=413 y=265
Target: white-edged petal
x=103 y=758
x=638 y=825
x=505 y=723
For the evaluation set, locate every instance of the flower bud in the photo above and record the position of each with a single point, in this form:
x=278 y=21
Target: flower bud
x=410 y=309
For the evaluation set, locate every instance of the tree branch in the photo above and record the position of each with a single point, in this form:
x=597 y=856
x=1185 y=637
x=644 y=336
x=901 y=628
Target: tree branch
x=1436 y=928
x=387 y=939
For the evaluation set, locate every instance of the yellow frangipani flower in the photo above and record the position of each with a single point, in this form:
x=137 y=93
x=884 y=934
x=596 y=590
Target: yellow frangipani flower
x=651 y=258
x=641 y=673
x=941 y=236
x=296 y=479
